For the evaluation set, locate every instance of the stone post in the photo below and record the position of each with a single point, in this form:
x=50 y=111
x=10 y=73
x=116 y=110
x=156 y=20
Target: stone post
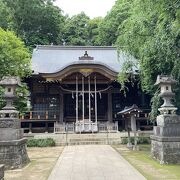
x=134 y=130
x=165 y=142
x=1 y=172
x=12 y=144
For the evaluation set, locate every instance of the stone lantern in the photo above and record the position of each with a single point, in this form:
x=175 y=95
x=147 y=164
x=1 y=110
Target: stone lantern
x=165 y=141
x=165 y=83
x=10 y=84
x=131 y=112
x=12 y=144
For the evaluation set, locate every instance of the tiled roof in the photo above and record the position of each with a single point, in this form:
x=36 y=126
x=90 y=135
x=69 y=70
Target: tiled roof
x=50 y=59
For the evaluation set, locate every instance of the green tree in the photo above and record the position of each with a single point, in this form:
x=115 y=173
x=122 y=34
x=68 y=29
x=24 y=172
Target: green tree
x=108 y=29
x=14 y=56
x=6 y=21
x=37 y=21
x=93 y=31
x=152 y=35
x=14 y=61
x=75 y=30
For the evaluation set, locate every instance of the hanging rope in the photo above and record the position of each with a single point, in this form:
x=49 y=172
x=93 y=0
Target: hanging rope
x=73 y=91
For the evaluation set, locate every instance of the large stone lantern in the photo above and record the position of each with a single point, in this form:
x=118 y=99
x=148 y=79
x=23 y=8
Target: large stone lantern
x=12 y=144
x=165 y=141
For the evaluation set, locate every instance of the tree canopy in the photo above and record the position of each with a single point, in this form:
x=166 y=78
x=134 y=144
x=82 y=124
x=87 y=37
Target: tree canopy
x=6 y=21
x=75 y=30
x=37 y=21
x=93 y=31
x=108 y=28
x=14 y=56
x=41 y=22
x=152 y=35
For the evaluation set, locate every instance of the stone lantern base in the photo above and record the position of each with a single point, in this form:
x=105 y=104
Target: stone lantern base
x=13 y=152
x=1 y=171
x=166 y=150
x=165 y=143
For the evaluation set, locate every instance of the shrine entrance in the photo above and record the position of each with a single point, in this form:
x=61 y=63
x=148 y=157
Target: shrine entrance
x=86 y=101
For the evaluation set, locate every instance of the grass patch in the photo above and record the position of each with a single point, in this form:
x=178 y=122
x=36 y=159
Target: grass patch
x=42 y=163
x=147 y=166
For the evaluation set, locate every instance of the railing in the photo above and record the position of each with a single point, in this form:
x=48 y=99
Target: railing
x=59 y=128
x=102 y=127
x=40 y=115
x=110 y=127
x=86 y=127
x=113 y=127
x=63 y=128
x=70 y=127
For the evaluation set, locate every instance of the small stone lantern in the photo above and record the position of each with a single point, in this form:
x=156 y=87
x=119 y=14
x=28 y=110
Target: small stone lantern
x=165 y=83
x=10 y=84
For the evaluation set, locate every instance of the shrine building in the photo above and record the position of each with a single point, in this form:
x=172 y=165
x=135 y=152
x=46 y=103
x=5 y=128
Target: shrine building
x=75 y=89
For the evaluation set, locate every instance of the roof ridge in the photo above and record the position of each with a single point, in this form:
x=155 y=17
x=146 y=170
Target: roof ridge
x=73 y=47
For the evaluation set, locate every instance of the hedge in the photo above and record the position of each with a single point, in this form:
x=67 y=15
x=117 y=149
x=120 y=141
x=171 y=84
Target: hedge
x=140 y=140
x=49 y=142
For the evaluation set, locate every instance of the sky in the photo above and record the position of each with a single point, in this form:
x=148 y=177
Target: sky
x=92 y=8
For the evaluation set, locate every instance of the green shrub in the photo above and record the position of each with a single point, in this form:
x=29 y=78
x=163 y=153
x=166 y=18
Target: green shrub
x=140 y=140
x=49 y=142
x=144 y=140
x=124 y=140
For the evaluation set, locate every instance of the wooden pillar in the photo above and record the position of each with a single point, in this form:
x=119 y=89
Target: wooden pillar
x=46 y=127
x=61 y=116
x=76 y=99
x=89 y=82
x=138 y=125
x=133 y=123
x=123 y=124
x=95 y=87
x=110 y=106
x=30 y=115
x=30 y=127
x=83 y=100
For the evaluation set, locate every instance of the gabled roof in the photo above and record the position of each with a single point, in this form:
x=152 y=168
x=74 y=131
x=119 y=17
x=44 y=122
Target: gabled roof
x=132 y=109
x=52 y=59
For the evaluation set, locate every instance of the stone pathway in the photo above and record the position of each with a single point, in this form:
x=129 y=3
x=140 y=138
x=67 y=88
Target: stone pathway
x=93 y=162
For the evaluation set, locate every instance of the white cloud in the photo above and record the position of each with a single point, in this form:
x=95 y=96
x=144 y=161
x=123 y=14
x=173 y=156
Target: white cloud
x=93 y=8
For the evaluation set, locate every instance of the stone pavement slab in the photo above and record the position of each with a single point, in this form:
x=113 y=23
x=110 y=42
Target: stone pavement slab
x=93 y=162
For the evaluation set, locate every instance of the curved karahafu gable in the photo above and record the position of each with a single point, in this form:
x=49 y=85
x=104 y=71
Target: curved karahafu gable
x=83 y=68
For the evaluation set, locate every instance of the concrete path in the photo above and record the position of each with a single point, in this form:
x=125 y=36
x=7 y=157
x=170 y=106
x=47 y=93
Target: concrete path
x=93 y=162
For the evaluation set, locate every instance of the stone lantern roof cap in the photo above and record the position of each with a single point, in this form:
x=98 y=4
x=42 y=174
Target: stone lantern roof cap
x=132 y=109
x=10 y=80
x=164 y=79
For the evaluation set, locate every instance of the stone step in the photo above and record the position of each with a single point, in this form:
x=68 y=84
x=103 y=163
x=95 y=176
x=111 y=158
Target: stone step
x=75 y=139
x=77 y=136
x=92 y=139
x=83 y=139
x=63 y=143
